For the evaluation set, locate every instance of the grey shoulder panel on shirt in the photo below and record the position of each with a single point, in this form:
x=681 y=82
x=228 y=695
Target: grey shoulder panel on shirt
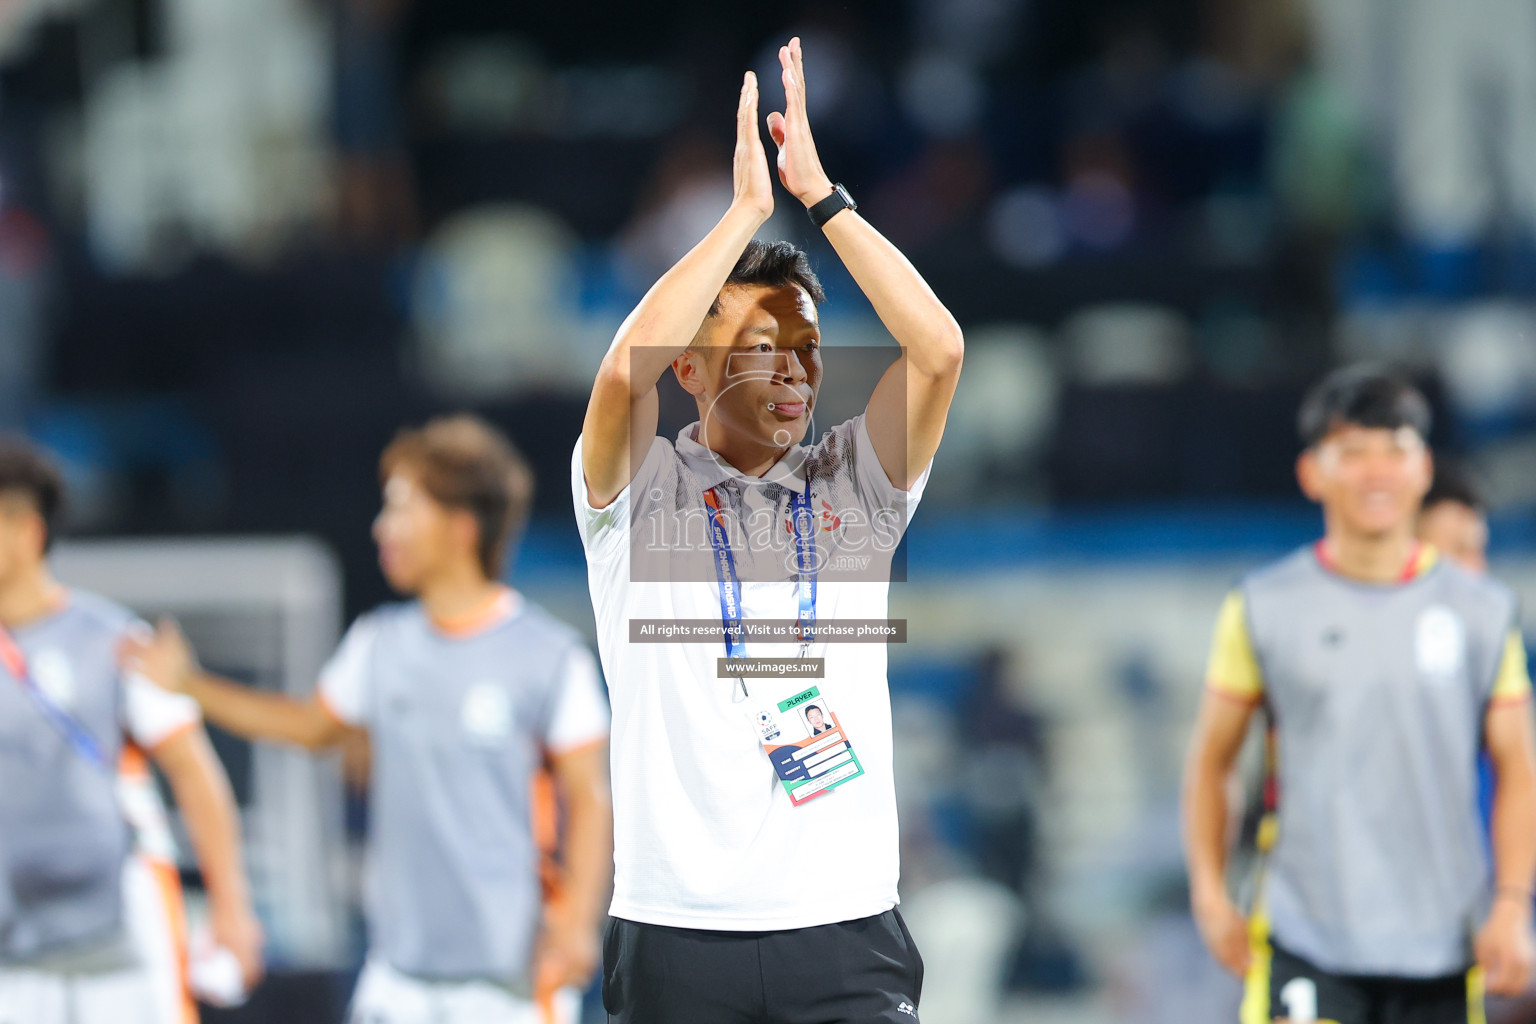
x=390 y=613
x=1479 y=592
x=1299 y=568
x=104 y=613
x=552 y=628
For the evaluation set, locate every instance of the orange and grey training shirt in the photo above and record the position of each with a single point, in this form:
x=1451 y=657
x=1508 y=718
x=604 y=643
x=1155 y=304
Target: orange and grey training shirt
x=63 y=838
x=461 y=717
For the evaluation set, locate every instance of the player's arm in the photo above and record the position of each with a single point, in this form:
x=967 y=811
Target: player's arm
x=907 y=410
x=1220 y=729
x=1504 y=945
x=1232 y=694
x=622 y=413
x=167 y=659
x=570 y=952
x=207 y=805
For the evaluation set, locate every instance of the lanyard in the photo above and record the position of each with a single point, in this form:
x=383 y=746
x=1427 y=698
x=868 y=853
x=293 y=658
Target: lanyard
x=15 y=662
x=803 y=521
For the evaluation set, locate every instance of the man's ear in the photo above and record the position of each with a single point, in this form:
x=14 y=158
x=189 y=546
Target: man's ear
x=1309 y=474
x=690 y=368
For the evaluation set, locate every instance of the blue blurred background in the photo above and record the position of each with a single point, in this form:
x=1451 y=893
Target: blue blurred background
x=242 y=241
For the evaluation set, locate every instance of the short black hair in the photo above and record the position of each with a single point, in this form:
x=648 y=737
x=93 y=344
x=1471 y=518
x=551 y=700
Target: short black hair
x=1453 y=483
x=1363 y=395
x=812 y=707
x=26 y=471
x=775 y=264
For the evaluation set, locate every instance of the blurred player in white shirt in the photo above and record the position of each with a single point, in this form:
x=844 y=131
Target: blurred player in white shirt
x=466 y=691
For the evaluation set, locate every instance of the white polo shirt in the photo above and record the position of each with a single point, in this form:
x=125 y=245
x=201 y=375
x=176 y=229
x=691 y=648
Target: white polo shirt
x=705 y=835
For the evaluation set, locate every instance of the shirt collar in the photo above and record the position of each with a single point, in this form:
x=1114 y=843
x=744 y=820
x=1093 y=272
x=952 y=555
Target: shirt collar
x=710 y=469
x=1421 y=559
x=500 y=607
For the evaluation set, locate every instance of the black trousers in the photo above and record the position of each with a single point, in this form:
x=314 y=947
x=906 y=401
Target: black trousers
x=854 y=972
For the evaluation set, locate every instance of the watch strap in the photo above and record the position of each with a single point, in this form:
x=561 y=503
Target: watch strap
x=836 y=203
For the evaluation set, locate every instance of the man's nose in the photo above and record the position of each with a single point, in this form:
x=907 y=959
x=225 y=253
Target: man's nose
x=1383 y=464
x=794 y=370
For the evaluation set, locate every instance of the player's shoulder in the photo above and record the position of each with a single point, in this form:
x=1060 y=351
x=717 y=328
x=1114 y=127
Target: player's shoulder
x=534 y=617
x=657 y=442
x=661 y=452
x=1481 y=592
x=92 y=611
x=1297 y=569
x=383 y=618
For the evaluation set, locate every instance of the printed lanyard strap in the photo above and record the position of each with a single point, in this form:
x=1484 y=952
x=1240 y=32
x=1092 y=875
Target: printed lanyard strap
x=803 y=522
x=805 y=564
x=725 y=573
x=79 y=737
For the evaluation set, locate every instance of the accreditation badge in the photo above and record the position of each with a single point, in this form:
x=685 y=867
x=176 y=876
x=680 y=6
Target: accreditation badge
x=805 y=741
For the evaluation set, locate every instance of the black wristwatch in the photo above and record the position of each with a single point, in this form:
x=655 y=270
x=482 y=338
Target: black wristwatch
x=831 y=206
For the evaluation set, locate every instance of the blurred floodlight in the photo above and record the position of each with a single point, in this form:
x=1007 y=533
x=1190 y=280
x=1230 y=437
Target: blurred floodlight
x=1488 y=359
x=1003 y=412
x=494 y=302
x=1128 y=343
x=1006 y=400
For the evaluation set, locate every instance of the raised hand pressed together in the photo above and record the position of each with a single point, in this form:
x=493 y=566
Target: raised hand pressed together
x=799 y=165
x=749 y=168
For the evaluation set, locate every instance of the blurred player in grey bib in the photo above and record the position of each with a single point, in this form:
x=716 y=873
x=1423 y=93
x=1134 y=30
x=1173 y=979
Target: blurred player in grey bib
x=465 y=692
x=1385 y=668
x=90 y=918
